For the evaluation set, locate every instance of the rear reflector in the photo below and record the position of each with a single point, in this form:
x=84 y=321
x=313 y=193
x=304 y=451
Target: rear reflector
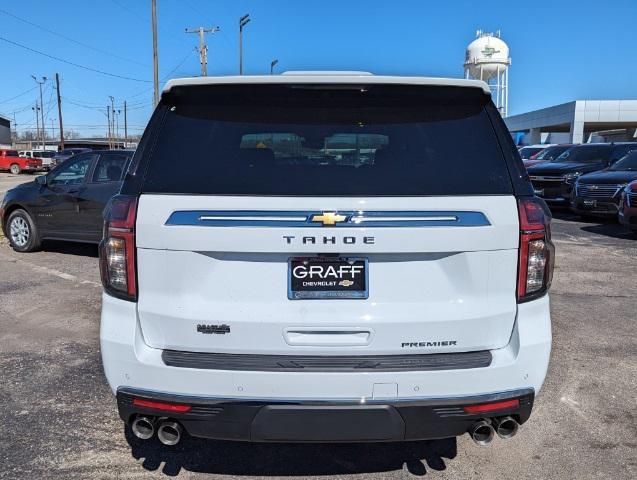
x=492 y=407
x=168 y=407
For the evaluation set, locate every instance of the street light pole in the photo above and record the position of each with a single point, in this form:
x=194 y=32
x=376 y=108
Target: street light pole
x=40 y=83
x=243 y=21
x=272 y=65
x=155 y=61
x=37 y=122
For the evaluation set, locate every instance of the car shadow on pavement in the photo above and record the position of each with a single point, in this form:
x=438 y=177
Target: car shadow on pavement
x=610 y=230
x=606 y=226
x=275 y=459
x=70 y=248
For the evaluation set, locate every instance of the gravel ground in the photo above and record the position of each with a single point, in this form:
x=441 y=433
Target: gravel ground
x=60 y=421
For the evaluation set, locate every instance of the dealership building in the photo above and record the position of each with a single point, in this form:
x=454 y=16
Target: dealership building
x=5 y=131
x=579 y=121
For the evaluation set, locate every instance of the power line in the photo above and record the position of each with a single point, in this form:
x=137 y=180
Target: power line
x=77 y=42
x=19 y=95
x=90 y=69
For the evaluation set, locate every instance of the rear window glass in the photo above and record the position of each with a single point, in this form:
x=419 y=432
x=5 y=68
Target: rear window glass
x=110 y=167
x=318 y=140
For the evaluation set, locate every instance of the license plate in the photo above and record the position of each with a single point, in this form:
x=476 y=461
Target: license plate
x=539 y=192
x=590 y=203
x=327 y=277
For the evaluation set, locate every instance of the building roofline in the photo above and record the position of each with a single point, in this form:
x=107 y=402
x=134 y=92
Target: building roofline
x=326 y=77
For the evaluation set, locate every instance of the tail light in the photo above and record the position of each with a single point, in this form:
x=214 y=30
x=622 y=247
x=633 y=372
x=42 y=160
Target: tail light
x=536 y=254
x=117 y=248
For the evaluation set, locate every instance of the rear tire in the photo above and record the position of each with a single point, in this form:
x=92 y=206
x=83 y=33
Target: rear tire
x=15 y=168
x=22 y=232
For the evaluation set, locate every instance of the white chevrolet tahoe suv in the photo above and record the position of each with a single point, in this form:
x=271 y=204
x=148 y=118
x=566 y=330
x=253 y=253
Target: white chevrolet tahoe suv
x=325 y=258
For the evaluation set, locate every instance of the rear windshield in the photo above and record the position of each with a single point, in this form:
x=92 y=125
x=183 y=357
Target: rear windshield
x=586 y=154
x=331 y=140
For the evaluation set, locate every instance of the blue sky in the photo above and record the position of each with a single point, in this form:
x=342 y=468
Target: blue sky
x=560 y=50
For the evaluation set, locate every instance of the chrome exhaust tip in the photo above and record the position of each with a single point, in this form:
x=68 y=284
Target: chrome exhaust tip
x=169 y=432
x=143 y=427
x=482 y=432
x=506 y=427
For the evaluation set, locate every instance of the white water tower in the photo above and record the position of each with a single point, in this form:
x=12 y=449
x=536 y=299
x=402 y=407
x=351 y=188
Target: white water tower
x=487 y=58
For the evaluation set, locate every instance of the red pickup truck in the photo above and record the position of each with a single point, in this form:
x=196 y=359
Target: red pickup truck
x=9 y=160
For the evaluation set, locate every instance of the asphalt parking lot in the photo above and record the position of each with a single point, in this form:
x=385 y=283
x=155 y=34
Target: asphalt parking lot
x=59 y=419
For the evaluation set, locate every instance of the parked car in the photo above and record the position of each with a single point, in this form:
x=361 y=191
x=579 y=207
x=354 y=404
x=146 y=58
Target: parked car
x=553 y=181
x=45 y=155
x=598 y=193
x=530 y=150
x=268 y=292
x=67 y=153
x=547 y=155
x=628 y=206
x=12 y=161
x=65 y=204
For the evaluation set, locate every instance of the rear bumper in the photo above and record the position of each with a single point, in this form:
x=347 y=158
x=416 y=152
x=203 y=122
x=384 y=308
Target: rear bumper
x=329 y=421
x=132 y=367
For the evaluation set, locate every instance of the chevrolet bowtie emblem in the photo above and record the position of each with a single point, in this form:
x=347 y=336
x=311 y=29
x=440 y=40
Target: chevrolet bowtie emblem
x=328 y=218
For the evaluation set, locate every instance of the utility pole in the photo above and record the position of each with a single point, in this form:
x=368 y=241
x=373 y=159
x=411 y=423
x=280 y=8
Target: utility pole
x=15 y=128
x=37 y=122
x=155 y=65
x=117 y=128
x=40 y=83
x=243 y=21
x=272 y=65
x=203 y=48
x=108 y=117
x=125 y=126
x=112 y=122
x=57 y=83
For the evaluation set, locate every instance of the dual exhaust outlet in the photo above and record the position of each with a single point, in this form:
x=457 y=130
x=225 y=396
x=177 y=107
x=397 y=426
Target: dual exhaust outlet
x=168 y=431
x=483 y=431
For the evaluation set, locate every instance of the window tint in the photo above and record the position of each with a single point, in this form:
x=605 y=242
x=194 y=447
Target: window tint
x=327 y=140
x=620 y=150
x=72 y=173
x=629 y=162
x=528 y=152
x=551 y=153
x=586 y=154
x=110 y=167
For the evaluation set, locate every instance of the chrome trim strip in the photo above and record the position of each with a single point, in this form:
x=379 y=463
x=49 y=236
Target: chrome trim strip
x=246 y=218
x=255 y=218
x=364 y=219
